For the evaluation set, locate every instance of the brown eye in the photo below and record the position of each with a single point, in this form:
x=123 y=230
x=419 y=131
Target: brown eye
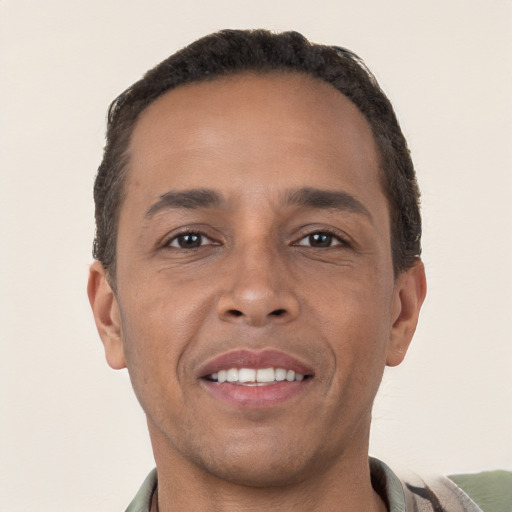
x=189 y=241
x=320 y=239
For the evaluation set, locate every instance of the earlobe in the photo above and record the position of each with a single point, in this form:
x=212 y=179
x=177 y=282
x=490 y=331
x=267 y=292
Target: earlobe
x=105 y=309
x=410 y=291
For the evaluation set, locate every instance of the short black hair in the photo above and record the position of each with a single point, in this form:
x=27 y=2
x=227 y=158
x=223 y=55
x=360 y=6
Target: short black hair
x=230 y=52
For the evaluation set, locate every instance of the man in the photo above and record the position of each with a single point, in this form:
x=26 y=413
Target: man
x=258 y=265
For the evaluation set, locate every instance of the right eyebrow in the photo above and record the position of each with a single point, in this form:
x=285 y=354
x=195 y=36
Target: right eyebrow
x=188 y=199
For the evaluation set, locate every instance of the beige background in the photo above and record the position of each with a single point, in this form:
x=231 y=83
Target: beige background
x=72 y=437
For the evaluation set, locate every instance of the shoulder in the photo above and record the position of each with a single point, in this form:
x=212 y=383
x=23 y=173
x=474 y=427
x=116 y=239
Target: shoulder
x=142 y=500
x=490 y=490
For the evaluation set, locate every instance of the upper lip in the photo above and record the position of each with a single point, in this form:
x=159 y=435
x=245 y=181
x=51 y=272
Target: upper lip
x=245 y=358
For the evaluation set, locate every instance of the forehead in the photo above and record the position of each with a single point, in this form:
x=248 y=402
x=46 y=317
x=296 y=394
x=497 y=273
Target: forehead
x=251 y=130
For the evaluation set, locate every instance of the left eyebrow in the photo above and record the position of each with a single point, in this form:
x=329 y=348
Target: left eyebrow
x=328 y=200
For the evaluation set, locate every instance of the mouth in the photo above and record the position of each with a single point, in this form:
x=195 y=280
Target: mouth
x=255 y=379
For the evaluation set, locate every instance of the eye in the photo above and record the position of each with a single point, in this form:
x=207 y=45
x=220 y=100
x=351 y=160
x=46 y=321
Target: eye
x=190 y=240
x=320 y=239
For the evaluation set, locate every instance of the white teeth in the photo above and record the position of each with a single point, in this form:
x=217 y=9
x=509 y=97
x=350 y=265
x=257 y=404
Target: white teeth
x=232 y=375
x=251 y=376
x=265 y=375
x=247 y=375
x=280 y=374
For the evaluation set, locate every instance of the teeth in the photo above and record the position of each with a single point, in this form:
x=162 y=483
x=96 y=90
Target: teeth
x=265 y=375
x=280 y=374
x=232 y=375
x=250 y=376
x=247 y=375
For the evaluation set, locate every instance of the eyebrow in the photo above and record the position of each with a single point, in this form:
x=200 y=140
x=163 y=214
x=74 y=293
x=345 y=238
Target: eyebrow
x=304 y=197
x=328 y=200
x=188 y=199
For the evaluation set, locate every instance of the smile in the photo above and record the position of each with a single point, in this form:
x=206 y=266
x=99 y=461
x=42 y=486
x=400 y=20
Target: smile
x=255 y=377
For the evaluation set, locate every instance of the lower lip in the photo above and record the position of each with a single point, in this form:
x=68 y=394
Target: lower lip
x=255 y=397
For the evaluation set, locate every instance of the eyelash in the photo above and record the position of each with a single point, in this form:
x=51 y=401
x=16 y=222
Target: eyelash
x=333 y=237
x=199 y=234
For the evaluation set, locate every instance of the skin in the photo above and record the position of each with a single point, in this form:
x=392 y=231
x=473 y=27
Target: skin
x=256 y=281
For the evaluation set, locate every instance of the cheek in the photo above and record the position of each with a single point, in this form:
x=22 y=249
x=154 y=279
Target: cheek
x=351 y=301
x=355 y=318
x=159 y=324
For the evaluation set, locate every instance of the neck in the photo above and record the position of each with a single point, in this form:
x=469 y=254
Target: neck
x=345 y=486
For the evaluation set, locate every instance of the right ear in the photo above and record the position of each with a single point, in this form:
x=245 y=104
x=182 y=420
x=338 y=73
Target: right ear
x=105 y=309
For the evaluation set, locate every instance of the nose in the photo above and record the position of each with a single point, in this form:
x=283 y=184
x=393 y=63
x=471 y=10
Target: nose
x=259 y=291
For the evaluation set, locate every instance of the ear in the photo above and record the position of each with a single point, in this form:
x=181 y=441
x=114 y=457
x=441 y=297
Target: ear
x=409 y=294
x=105 y=309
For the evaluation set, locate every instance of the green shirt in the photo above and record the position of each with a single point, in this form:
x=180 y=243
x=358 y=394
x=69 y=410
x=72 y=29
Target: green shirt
x=490 y=491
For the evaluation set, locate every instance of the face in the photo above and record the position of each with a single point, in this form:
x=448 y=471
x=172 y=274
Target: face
x=256 y=305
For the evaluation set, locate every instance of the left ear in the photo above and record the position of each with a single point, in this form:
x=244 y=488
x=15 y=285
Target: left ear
x=409 y=294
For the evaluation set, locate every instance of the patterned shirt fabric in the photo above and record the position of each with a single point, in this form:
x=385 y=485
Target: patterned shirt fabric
x=490 y=492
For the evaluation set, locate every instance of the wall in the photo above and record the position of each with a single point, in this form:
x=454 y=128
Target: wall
x=72 y=436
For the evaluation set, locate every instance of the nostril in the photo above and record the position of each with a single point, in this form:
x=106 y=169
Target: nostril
x=235 y=312
x=278 y=312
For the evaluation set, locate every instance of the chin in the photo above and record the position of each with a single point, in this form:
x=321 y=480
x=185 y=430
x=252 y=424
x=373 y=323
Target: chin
x=262 y=472
x=273 y=462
